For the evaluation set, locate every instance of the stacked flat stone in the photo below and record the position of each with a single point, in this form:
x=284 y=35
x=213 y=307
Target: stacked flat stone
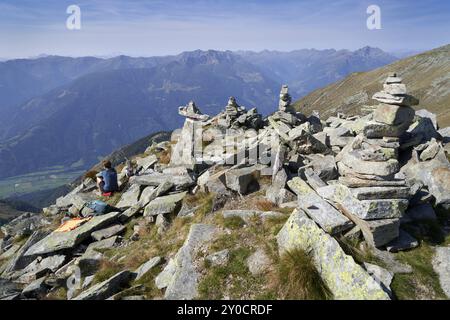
x=394 y=114
x=192 y=112
x=372 y=190
x=232 y=112
x=286 y=112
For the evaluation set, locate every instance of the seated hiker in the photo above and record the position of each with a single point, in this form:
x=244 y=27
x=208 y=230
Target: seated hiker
x=107 y=179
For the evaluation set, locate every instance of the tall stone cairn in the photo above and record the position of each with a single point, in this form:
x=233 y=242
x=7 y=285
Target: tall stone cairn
x=376 y=192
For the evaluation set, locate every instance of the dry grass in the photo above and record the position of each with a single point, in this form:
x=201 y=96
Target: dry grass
x=296 y=278
x=91 y=174
x=106 y=270
x=265 y=205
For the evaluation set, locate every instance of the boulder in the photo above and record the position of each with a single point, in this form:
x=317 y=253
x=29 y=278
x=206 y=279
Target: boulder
x=180 y=276
x=107 y=288
x=108 y=232
x=239 y=180
x=35 y=288
x=40 y=267
x=382 y=276
x=393 y=114
x=129 y=197
x=24 y=225
x=147 y=162
x=323 y=213
x=344 y=277
x=372 y=193
x=59 y=241
x=441 y=265
x=104 y=244
x=364 y=209
x=147 y=266
x=182 y=182
x=353 y=160
x=164 y=205
x=258 y=262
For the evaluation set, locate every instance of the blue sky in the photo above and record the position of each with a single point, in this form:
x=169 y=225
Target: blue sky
x=145 y=28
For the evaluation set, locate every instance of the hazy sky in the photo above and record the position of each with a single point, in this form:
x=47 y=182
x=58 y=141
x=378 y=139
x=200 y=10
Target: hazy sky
x=145 y=28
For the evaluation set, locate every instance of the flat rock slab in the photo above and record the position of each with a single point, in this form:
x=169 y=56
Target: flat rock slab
x=147 y=266
x=441 y=265
x=103 y=244
x=379 y=168
x=180 y=276
x=107 y=288
x=130 y=197
x=247 y=215
x=58 y=241
x=373 y=129
x=344 y=277
x=355 y=182
x=239 y=179
x=155 y=179
x=382 y=276
x=373 y=193
x=108 y=232
x=164 y=205
x=326 y=216
x=364 y=209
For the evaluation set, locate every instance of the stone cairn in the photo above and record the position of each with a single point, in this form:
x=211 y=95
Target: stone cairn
x=372 y=190
x=235 y=116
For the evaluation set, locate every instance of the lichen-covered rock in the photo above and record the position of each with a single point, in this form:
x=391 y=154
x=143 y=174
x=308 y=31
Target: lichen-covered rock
x=344 y=277
x=180 y=276
x=108 y=232
x=441 y=265
x=58 y=241
x=107 y=288
x=326 y=216
x=258 y=262
x=129 y=197
x=147 y=266
x=219 y=258
x=164 y=205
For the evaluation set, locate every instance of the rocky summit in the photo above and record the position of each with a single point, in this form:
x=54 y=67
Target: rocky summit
x=242 y=206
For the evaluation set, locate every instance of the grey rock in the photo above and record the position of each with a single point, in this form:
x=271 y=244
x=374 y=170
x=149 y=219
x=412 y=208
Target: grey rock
x=189 y=146
x=372 y=193
x=58 y=241
x=89 y=262
x=147 y=162
x=258 y=262
x=382 y=276
x=103 y=244
x=441 y=265
x=239 y=179
x=393 y=114
x=107 y=288
x=147 y=266
x=161 y=223
x=155 y=179
x=354 y=161
x=129 y=197
x=24 y=225
x=219 y=258
x=324 y=167
x=404 y=100
x=108 y=232
x=248 y=215
x=345 y=278
x=180 y=276
x=373 y=129
x=40 y=267
x=164 y=205
x=431 y=151
x=404 y=242
x=323 y=213
x=10 y=252
x=35 y=288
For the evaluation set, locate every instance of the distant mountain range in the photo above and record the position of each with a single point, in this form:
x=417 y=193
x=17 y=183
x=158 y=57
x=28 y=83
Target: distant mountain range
x=71 y=111
x=426 y=75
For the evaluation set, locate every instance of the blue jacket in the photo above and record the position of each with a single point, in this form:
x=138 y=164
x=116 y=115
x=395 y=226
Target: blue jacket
x=110 y=178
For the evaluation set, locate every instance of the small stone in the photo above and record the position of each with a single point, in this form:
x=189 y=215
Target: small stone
x=258 y=262
x=441 y=265
x=219 y=258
